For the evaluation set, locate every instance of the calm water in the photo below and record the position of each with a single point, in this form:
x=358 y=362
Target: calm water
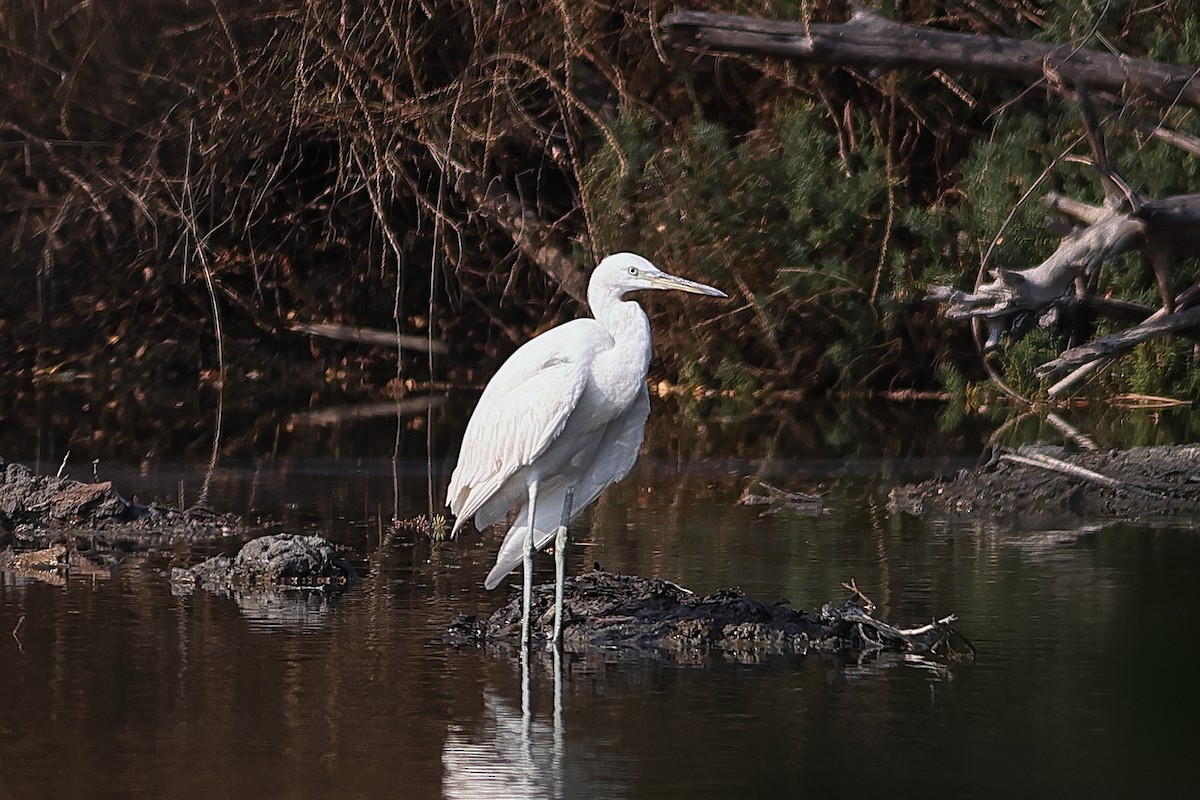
x=1084 y=684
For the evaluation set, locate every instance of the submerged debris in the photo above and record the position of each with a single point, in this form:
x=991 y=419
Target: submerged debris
x=278 y=560
x=1042 y=483
x=760 y=493
x=626 y=613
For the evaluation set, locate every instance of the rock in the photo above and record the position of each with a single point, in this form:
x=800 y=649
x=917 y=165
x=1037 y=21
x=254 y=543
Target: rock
x=28 y=499
x=624 y=613
x=38 y=511
x=278 y=560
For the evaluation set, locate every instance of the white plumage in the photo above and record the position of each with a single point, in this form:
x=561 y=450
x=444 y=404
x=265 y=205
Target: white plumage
x=565 y=413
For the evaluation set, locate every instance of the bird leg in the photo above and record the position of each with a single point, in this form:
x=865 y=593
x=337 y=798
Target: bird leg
x=561 y=539
x=527 y=594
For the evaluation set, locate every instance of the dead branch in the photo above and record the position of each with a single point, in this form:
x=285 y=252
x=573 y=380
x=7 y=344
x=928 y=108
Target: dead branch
x=1185 y=299
x=1121 y=341
x=1162 y=229
x=1076 y=209
x=872 y=41
x=1038 y=288
x=352 y=333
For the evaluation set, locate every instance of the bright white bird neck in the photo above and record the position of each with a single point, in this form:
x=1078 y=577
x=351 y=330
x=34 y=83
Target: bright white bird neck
x=622 y=368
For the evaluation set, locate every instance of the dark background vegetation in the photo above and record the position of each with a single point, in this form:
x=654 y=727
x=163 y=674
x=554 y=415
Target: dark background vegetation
x=182 y=180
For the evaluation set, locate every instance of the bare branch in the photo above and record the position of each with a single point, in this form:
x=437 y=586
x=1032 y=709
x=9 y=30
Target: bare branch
x=868 y=40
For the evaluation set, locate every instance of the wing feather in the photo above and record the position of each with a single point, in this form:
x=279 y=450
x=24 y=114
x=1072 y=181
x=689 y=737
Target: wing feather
x=615 y=457
x=522 y=411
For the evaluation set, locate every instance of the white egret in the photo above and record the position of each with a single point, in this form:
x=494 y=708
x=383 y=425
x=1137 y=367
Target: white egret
x=561 y=420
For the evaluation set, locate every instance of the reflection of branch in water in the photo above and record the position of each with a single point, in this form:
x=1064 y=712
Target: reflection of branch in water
x=777 y=499
x=16 y=630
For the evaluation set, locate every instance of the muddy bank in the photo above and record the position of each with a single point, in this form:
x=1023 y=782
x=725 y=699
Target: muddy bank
x=643 y=616
x=38 y=511
x=1044 y=483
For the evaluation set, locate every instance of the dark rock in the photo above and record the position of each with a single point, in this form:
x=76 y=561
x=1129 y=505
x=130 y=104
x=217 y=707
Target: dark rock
x=31 y=499
x=278 y=560
x=40 y=511
x=647 y=615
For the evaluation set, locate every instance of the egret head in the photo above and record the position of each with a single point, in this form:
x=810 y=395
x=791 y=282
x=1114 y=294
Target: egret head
x=627 y=272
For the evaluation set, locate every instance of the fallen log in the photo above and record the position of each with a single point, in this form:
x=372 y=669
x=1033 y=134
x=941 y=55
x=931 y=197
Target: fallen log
x=1121 y=341
x=869 y=40
x=354 y=333
x=1164 y=229
x=1038 y=288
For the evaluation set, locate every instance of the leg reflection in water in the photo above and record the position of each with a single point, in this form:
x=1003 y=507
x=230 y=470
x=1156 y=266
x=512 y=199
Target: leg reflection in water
x=517 y=748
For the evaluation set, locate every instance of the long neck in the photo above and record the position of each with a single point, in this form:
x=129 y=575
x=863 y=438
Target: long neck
x=630 y=329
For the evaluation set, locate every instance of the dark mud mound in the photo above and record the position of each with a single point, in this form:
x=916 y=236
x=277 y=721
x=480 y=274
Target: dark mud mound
x=39 y=500
x=1043 y=484
x=278 y=560
x=629 y=614
x=39 y=511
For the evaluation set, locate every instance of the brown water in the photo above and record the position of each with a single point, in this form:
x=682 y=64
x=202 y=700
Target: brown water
x=1083 y=686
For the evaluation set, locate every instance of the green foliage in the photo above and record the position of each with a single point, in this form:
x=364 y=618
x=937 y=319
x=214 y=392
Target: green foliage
x=731 y=392
x=777 y=211
x=399 y=165
x=1161 y=367
x=1035 y=348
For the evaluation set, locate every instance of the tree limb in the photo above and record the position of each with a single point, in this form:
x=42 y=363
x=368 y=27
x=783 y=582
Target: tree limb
x=872 y=41
x=1115 y=343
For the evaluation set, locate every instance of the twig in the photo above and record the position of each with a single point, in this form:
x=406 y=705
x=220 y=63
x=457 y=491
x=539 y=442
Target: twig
x=852 y=586
x=1075 y=377
x=63 y=466
x=1129 y=400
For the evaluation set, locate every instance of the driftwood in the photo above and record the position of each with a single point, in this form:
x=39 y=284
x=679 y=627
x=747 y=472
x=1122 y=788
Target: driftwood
x=1040 y=288
x=872 y=41
x=1162 y=229
x=1158 y=227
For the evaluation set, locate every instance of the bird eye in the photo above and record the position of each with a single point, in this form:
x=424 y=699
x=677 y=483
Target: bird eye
x=633 y=270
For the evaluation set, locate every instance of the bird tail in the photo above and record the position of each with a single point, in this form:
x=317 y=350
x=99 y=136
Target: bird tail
x=512 y=551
